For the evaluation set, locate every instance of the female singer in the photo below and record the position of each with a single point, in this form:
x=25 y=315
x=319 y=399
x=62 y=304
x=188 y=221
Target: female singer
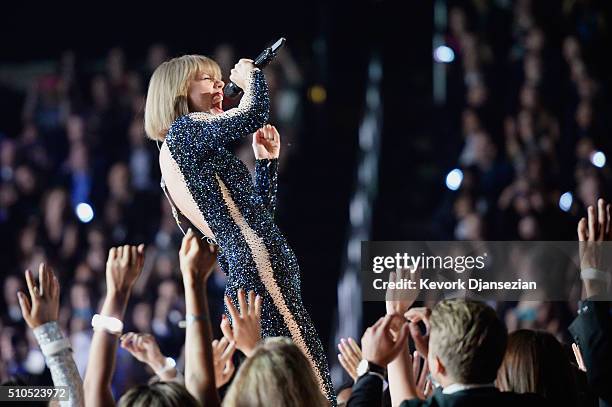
x=214 y=190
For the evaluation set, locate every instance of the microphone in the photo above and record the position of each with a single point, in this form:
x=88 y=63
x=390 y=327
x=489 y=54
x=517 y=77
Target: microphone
x=231 y=90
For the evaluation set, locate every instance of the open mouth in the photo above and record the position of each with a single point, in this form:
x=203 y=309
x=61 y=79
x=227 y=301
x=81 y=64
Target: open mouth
x=217 y=102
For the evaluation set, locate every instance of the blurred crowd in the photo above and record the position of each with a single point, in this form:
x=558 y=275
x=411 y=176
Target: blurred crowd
x=530 y=94
x=81 y=177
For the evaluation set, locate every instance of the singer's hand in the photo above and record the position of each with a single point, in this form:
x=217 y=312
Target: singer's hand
x=241 y=72
x=266 y=143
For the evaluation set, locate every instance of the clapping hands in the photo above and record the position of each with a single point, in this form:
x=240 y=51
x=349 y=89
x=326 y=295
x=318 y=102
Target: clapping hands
x=379 y=345
x=350 y=356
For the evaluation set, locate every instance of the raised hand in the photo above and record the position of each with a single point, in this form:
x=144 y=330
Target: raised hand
x=421 y=341
x=266 y=143
x=595 y=259
x=350 y=356
x=144 y=348
x=223 y=350
x=378 y=345
x=43 y=304
x=197 y=258
x=398 y=301
x=123 y=267
x=241 y=71
x=420 y=374
x=245 y=329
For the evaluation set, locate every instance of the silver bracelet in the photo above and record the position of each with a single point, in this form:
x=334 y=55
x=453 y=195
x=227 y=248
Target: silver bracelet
x=54 y=347
x=190 y=319
x=591 y=273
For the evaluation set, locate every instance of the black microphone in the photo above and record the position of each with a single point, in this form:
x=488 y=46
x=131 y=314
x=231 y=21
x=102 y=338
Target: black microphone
x=232 y=90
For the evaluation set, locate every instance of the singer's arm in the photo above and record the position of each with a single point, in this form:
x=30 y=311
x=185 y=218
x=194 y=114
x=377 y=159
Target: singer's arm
x=266 y=182
x=205 y=132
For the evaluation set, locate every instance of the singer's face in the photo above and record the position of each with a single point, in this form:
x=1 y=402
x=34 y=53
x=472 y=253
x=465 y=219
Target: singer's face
x=206 y=94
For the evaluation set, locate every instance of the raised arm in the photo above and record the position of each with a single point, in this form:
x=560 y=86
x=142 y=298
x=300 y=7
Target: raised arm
x=123 y=266
x=144 y=348
x=206 y=131
x=197 y=259
x=266 y=146
x=592 y=328
x=41 y=314
x=379 y=347
x=401 y=381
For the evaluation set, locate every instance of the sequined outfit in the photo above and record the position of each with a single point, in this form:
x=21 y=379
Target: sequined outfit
x=254 y=254
x=60 y=362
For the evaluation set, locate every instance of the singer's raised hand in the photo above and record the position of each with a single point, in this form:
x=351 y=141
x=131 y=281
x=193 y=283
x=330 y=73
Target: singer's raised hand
x=240 y=73
x=266 y=143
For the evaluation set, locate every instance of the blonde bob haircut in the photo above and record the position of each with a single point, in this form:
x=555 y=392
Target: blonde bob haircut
x=277 y=374
x=167 y=95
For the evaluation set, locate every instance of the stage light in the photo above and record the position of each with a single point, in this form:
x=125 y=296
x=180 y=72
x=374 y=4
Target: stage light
x=84 y=212
x=444 y=54
x=565 y=202
x=598 y=159
x=454 y=179
x=317 y=94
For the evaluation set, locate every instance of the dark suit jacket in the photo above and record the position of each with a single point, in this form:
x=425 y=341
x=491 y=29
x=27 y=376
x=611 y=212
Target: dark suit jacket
x=367 y=391
x=592 y=331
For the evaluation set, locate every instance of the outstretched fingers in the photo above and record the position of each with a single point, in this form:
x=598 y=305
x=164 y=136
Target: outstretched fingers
x=583 y=233
x=601 y=219
x=24 y=304
x=242 y=302
x=33 y=290
x=227 y=329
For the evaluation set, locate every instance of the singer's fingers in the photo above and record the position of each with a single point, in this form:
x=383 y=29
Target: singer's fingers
x=275 y=133
x=269 y=133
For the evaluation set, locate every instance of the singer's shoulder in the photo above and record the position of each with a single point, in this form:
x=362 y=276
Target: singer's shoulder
x=185 y=121
x=183 y=124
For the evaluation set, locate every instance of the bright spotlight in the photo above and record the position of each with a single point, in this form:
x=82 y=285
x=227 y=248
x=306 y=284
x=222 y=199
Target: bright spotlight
x=444 y=54
x=598 y=159
x=454 y=179
x=565 y=202
x=84 y=212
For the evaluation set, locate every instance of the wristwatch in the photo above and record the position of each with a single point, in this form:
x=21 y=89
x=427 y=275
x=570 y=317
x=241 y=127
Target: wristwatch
x=364 y=367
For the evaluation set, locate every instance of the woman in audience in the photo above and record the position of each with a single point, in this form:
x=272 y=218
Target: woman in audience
x=41 y=312
x=123 y=267
x=535 y=362
x=276 y=374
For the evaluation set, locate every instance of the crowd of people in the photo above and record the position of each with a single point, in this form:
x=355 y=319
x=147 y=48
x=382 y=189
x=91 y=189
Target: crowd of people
x=463 y=354
x=529 y=92
x=83 y=153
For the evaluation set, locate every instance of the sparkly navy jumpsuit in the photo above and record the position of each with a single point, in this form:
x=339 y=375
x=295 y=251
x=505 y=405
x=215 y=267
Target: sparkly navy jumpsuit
x=254 y=254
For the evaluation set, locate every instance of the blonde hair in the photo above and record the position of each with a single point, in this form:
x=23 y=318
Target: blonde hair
x=159 y=394
x=469 y=339
x=167 y=95
x=277 y=374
